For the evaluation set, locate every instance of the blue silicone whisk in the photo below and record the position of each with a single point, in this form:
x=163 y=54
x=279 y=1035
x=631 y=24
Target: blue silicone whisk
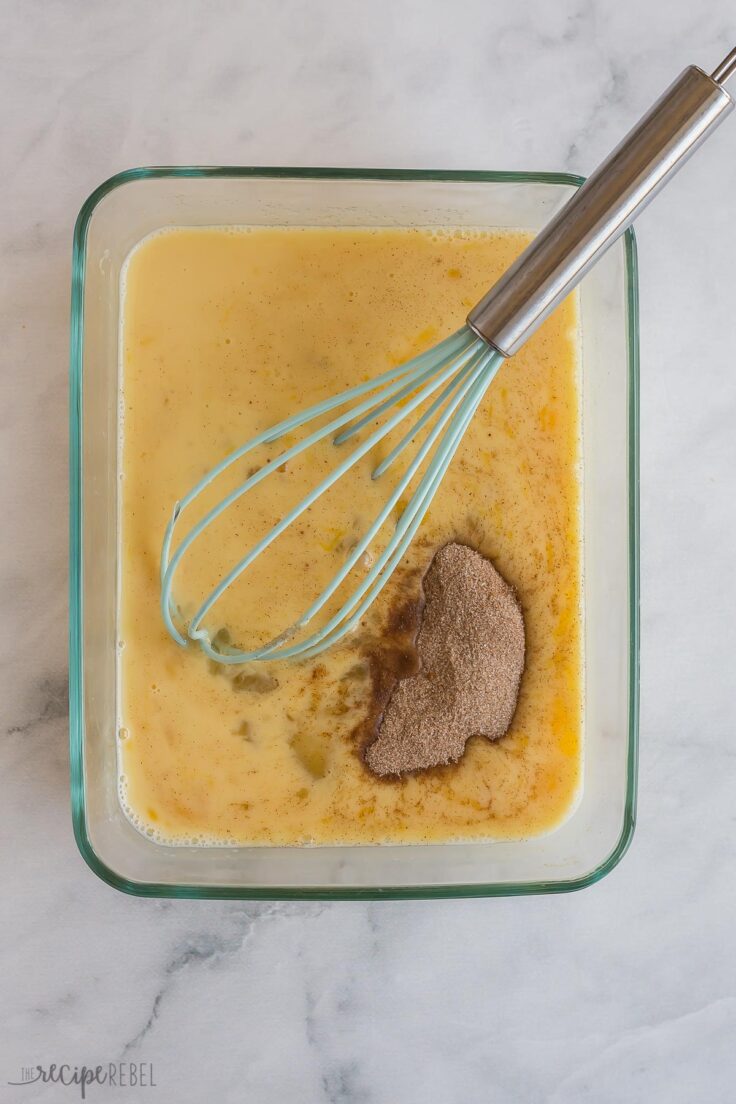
x=440 y=390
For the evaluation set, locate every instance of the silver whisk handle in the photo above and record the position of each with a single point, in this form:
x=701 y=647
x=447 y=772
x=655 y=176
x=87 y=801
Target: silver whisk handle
x=603 y=207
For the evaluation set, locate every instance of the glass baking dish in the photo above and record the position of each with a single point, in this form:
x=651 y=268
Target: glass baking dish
x=114 y=219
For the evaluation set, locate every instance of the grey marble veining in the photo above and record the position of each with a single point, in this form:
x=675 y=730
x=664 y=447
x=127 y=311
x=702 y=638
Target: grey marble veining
x=626 y=991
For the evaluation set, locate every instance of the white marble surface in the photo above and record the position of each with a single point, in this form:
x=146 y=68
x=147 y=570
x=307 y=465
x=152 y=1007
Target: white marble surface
x=626 y=991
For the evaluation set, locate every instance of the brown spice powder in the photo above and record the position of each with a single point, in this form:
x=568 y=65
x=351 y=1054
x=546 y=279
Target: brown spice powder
x=471 y=651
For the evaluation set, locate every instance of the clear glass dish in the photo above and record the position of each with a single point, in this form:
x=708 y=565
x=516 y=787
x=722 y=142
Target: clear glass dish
x=115 y=218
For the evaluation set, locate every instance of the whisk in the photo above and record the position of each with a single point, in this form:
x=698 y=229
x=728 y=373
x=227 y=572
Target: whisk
x=451 y=378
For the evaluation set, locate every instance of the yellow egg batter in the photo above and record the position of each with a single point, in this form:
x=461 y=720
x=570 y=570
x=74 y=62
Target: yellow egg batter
x=226 y=331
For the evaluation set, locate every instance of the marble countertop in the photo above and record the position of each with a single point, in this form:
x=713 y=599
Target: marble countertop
x=625 y=991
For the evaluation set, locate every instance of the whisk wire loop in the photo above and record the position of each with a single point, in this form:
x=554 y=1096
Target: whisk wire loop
x=370 y=442
x=417 y=371
x=460 y=367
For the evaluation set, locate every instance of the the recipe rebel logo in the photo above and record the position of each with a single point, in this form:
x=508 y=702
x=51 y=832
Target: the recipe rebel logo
x=119 y=1075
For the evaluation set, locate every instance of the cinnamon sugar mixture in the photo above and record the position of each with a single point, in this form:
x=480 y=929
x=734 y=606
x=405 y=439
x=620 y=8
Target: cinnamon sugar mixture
x=471 y=650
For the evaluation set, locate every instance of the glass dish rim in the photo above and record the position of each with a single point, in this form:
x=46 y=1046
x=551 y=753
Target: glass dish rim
x=76 y=672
